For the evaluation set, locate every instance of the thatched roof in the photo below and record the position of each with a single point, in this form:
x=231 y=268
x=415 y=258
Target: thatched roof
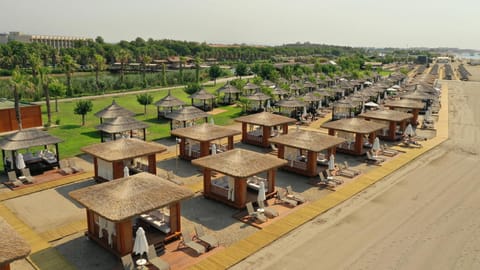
x=279 y=91
x=202 y=94
x=405 y=103
x=308 y=140
x=251 y=86
x=354 y=125
x=312 y=97
x=290 y=102
x=228 y=89
x=265 y=119
x=239 y=162
x=418 y=96
x=295 y=87
x=127 y=197
x=169 y=101
x=268 y=83
x=187 y=113
x=205 y=132
x=114 y=110
x=26 y=138
x=122 y=149
x=258 y=96
x=389 y=115
x=13 y=246
x=121 y=124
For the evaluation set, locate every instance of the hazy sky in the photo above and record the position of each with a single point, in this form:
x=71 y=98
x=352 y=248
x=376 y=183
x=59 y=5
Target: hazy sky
x=372 y=23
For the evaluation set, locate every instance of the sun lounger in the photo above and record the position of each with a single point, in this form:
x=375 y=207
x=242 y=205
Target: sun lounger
x=74 y=166
x=293 y=195
x=373 y=160
x=284 y=200
x=347 y=171
x=326 y=182
x=65 y=167
x=13 y=180
x=208 y=239
x=255 y=215
x=128 y=262
x=269 y=211
x=27 y=177
x=330 y=177
x=155 y=260
x=188 y=242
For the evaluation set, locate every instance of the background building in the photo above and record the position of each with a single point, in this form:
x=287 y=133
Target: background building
x=55 y=41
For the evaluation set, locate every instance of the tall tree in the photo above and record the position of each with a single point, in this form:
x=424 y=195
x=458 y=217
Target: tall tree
x=43 y=82
x=57 y=89
x=99 y=65
x=69 y=66
x=145 y=99
x=35 y=63
x=83 y=107
x=145 y=60
x=164 y=74
x=198 y=61
x=123 y=56
x=18 y=83
x=214 y=72
x=180 y=71
x=241 y=69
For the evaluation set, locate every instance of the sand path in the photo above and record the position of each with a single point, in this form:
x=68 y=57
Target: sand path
x=424 y=216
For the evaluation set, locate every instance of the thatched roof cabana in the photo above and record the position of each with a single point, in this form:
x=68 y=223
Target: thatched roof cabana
x=205 y=132
x=122 y=124
x=120 y=201
x=290 y=102
x=258 y=96
x=24 y=139
x=130 y=196
x=239 y=163
x=228 y=89
x=113 y=110
x=202 y=94
x=13 y=246
x=188 y=113
x=251 y=86
x=279 y=91
x=239 y=166
x=308 y=140
x=27 y=138
x=265 y=119
x=169 y=101
x=405 y=103
x=354 y=125
x=387 y=115
x=122 y=149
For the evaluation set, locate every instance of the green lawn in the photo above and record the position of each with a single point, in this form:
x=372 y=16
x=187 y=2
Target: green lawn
x=76 y=136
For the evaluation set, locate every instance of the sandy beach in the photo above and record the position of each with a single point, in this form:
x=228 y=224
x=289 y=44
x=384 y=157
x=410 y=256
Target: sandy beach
x=423 y=216
x=400 y=222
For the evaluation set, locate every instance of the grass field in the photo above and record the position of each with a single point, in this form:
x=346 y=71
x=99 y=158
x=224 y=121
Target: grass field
x=76 y=136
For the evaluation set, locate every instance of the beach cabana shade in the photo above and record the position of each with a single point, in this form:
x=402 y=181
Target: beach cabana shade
x=264 y=121
x=251 y=87
x=120 y=125
x=168 y=103
x=357 y=128
x=112 y=111
x=396 y=122
x=204 y=134
x=308 y=144
x=203 y=96
x=126 y=198
x=27 y=138
x=407 y=105
x=111 y=157
x=240 y=165
x=228 y=90
x=13 y=246
x=186 y=114
x=290 y=102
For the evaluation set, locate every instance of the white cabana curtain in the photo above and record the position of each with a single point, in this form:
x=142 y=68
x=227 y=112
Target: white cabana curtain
x=231 y=188
x=105 y=169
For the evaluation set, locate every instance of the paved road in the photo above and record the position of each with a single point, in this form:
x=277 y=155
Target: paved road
x=424 y=216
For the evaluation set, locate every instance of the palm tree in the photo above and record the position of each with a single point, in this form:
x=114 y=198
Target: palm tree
x=198 y=61
x=57 y=89
x=44 y=82
x=35 y=63
x=99 y=65
x=122 y=56
x=182 y=62
x=164 y=74
x=69 y=66
x=145 y=60
x=83 y=107
x=18 y=83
